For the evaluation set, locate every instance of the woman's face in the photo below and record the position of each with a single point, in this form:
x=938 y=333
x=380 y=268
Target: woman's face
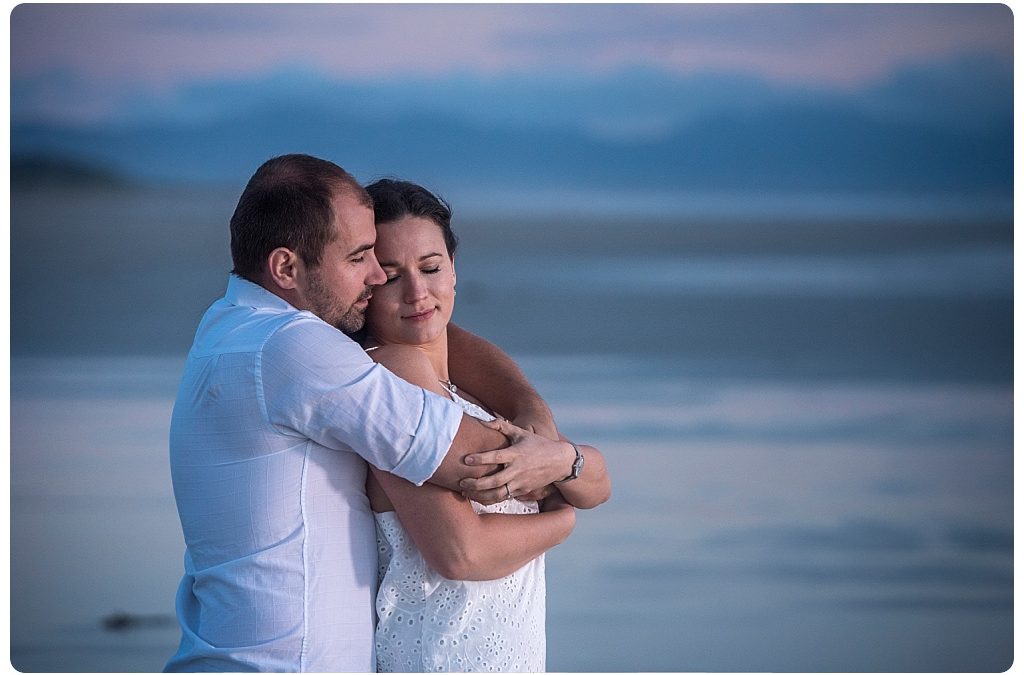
x=415 y=304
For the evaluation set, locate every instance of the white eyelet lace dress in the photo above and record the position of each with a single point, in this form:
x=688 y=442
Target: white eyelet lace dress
x=427 y=623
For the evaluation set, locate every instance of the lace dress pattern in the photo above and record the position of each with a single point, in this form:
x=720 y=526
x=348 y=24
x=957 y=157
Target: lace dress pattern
x=427 y=623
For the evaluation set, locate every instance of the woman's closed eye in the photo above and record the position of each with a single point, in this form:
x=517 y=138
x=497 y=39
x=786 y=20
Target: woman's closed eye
x=432 y=270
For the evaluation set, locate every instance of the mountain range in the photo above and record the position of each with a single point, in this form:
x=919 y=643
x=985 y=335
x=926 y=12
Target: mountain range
x=938 y=130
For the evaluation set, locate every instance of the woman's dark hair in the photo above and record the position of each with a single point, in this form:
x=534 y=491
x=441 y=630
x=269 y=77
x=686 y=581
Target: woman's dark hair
x=288 y=203
x=396 y=199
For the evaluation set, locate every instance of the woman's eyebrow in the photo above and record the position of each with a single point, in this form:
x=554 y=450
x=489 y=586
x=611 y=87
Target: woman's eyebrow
x=388 y=263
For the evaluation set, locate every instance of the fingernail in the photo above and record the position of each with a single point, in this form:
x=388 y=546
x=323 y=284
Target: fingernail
x=462 y=484
x=469 y=459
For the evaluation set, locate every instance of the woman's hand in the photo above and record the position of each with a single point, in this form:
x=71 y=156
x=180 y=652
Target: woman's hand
x=530 y=463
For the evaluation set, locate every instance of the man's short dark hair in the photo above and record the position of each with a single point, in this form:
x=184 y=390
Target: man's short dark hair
x=287 y=202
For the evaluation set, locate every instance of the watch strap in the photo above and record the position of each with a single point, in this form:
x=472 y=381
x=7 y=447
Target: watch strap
x=577 y=464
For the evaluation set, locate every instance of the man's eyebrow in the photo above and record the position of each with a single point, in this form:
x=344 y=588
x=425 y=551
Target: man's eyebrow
x=361 y=249
x=388 y=263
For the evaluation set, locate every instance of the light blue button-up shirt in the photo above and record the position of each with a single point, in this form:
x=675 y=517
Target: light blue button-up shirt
x=276 y=413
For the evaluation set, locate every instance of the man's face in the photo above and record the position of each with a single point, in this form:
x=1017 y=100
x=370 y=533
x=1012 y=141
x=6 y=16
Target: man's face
x=339 y=288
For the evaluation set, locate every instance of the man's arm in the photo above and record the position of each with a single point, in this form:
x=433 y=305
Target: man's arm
x=527 y=410
x=532 y=462
x=497 y=381
x=322 y=385
x=592 y=487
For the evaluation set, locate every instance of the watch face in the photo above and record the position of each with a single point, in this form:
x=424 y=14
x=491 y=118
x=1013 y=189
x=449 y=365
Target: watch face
x=577 y=466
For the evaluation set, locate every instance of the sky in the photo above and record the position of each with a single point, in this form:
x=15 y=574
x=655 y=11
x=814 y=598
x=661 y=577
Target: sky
x=837 y=98
x=84 y=62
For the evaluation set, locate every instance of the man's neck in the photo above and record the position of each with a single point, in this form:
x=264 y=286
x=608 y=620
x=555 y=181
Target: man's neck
x=289 y=295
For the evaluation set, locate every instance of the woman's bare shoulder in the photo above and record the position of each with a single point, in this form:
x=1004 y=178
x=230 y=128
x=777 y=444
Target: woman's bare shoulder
x=408 y=362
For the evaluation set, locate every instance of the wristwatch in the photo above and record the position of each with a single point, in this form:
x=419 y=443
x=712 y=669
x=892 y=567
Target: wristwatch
x=577 y=464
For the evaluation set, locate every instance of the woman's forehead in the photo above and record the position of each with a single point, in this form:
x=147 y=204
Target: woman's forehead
x=410 y=236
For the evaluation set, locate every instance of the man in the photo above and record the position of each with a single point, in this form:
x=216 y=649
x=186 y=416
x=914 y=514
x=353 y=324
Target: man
x=276 y=413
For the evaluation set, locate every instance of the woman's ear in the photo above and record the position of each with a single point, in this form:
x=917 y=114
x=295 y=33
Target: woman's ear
x=284 y=267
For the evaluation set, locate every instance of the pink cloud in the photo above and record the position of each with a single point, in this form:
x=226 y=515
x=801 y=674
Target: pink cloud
x=164 y=45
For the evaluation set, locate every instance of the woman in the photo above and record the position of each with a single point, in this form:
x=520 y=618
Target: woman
x=461 y=584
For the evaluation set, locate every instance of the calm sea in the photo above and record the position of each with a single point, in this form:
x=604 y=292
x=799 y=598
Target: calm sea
x=808 y=421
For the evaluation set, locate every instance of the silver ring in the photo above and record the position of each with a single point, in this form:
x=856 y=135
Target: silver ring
x=508 y=492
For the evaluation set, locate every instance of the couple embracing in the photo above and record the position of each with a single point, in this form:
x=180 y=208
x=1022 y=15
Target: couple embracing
x=362 y=485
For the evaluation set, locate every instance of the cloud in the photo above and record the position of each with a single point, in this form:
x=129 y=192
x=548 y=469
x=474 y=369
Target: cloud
x=162 y=45
x=817 y=44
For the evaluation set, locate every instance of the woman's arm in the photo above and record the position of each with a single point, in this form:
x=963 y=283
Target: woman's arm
x=480 y=367
x=459 y=544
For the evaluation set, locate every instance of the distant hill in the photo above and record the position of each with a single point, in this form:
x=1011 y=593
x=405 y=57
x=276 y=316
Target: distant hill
x=940 y=130
x=55 y=171
x=802 y=148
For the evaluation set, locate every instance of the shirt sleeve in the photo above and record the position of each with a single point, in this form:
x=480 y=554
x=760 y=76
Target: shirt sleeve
x=316 y=382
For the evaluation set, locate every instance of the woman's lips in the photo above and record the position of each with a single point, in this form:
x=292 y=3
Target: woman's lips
x=422 y=316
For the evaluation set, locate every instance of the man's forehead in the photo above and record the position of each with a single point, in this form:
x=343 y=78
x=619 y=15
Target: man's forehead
x=347 y=200
x=353 y=221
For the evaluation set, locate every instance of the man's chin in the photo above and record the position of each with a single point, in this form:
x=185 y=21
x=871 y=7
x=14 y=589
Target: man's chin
x=352 y=322
x=354 y=333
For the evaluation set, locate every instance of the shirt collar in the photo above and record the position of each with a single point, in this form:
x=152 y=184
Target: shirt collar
x=244 y=293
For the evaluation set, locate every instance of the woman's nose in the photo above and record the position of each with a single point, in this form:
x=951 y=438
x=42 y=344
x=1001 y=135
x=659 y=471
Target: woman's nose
x=415 y=289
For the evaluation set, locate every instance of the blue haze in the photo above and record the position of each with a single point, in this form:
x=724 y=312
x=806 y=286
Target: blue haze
x=936 y=130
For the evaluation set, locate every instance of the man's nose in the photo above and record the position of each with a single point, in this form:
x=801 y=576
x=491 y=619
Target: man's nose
x=376 y=275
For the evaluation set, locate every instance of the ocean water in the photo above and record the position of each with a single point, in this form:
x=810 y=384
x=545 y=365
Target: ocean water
x=808 y=420
x=770 y=525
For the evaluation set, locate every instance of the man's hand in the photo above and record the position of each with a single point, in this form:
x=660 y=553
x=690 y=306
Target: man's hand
x=539 y=422
x=554 y=502
x=529 y=464
x=535 y=496
x=538 y=495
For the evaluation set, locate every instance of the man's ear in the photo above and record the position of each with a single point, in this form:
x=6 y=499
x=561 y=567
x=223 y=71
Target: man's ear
x=284 y=267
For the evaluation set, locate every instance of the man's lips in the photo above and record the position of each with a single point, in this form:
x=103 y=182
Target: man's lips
x=421 y=316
